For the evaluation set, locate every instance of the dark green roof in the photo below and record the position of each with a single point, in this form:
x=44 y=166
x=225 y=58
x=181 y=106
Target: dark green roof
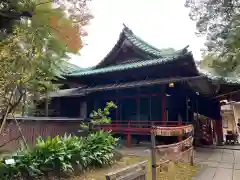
x=150 y=51
x=219 y=79
x=66 y=68
x=122 y=67
x=144 y=46
x=157 y=56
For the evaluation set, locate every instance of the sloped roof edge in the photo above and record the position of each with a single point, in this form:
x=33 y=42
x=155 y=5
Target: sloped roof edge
x=122 y=67
x=136 y=41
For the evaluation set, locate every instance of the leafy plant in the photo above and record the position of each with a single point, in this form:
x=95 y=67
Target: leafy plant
x=61 y=155
x=100 y=116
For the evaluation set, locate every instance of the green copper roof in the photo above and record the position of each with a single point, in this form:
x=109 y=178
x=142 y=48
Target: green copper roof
x=144 y=46
x=150 y=51
x=121 y=67
x=217 y=78
x=66 y=68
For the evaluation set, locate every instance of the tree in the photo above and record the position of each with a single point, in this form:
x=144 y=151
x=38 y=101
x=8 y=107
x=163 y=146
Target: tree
x=31 y=56
x=77 y=12
x=219 y=20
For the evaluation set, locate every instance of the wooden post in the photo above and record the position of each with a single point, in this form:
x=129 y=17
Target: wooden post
x=153 y=154
x=192 y=157
x=187 y=118
x=180 y=136
x=24 y=103
x=138 y=108
x=219 y=131
x=46 y=104
x=133 y=172
x=164 y=114
x=128 y=136
x=116 y=118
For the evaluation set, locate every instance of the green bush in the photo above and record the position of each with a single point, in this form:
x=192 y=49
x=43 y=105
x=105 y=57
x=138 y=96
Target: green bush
x=61 y=155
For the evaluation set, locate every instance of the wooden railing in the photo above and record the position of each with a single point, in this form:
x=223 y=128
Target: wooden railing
x=135 y=172
x=163 y=155
x=137 y=127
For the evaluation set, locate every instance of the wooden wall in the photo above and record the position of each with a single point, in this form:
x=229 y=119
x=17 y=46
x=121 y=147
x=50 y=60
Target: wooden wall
x=33 y=129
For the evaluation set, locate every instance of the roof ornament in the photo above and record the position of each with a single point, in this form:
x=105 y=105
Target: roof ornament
x=127 y=28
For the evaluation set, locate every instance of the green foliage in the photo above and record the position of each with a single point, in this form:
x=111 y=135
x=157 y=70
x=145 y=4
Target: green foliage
x=219 y=21
x=100 y=116
x=61 y=155
x=32 y=55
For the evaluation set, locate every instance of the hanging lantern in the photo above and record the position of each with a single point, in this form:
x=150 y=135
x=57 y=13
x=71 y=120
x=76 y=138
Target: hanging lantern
x=171 y=84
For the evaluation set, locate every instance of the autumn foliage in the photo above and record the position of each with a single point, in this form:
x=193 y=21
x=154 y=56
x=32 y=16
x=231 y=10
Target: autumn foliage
x=70 y=34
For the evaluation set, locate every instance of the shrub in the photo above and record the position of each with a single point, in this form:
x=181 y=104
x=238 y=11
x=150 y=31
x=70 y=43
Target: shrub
x=101 y=116
x=61 y=155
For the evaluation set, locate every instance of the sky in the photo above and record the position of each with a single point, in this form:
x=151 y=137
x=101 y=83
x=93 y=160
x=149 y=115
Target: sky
x=161 y=23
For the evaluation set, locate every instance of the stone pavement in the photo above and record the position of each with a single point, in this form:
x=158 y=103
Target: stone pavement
x=220 y=164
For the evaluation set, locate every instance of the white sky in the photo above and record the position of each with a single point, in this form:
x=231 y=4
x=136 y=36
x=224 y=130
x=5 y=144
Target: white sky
x=161 y=23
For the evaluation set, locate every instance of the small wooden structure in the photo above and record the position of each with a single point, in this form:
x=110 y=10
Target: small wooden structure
x=135 y=172
x=164 y=154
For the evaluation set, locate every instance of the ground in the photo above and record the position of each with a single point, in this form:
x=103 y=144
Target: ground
x=99 y=174
x=217 y=164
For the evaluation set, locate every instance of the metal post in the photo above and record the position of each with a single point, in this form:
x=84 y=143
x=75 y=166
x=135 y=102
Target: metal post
x=153 y=154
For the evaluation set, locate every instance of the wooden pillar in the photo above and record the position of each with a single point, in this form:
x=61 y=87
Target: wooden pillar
x=150 y=108
x=180 y=137
x=24 y=103
x=219 y=131
x=164 y=112
x=116 y=115
x=83 y=110
x=129 y=136
x=46 y=105
x=153 y=154
x=187 y=117
x=138 y=109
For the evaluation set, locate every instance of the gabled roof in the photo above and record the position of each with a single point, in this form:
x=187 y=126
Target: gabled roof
x=154 y=57
x=122 y=67
x=150 y=51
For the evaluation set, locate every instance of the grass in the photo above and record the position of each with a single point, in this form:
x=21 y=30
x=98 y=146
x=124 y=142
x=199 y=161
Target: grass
x=99 y=174
x=179 y=171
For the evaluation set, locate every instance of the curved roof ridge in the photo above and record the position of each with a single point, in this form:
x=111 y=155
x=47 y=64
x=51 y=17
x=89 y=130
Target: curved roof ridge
x=143 y=45
x=120 y=67
x=211 y=76
x=140 y=44
x=133 y=38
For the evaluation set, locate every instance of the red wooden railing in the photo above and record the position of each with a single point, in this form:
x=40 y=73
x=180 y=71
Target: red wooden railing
x=138 y=127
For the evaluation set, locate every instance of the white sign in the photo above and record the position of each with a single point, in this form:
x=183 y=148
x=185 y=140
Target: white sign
x=9 y=161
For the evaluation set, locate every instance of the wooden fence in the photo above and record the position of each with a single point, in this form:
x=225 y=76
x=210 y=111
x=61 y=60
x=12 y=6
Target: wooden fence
x=135 y=172
x=34 y=127
x=165 y=155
